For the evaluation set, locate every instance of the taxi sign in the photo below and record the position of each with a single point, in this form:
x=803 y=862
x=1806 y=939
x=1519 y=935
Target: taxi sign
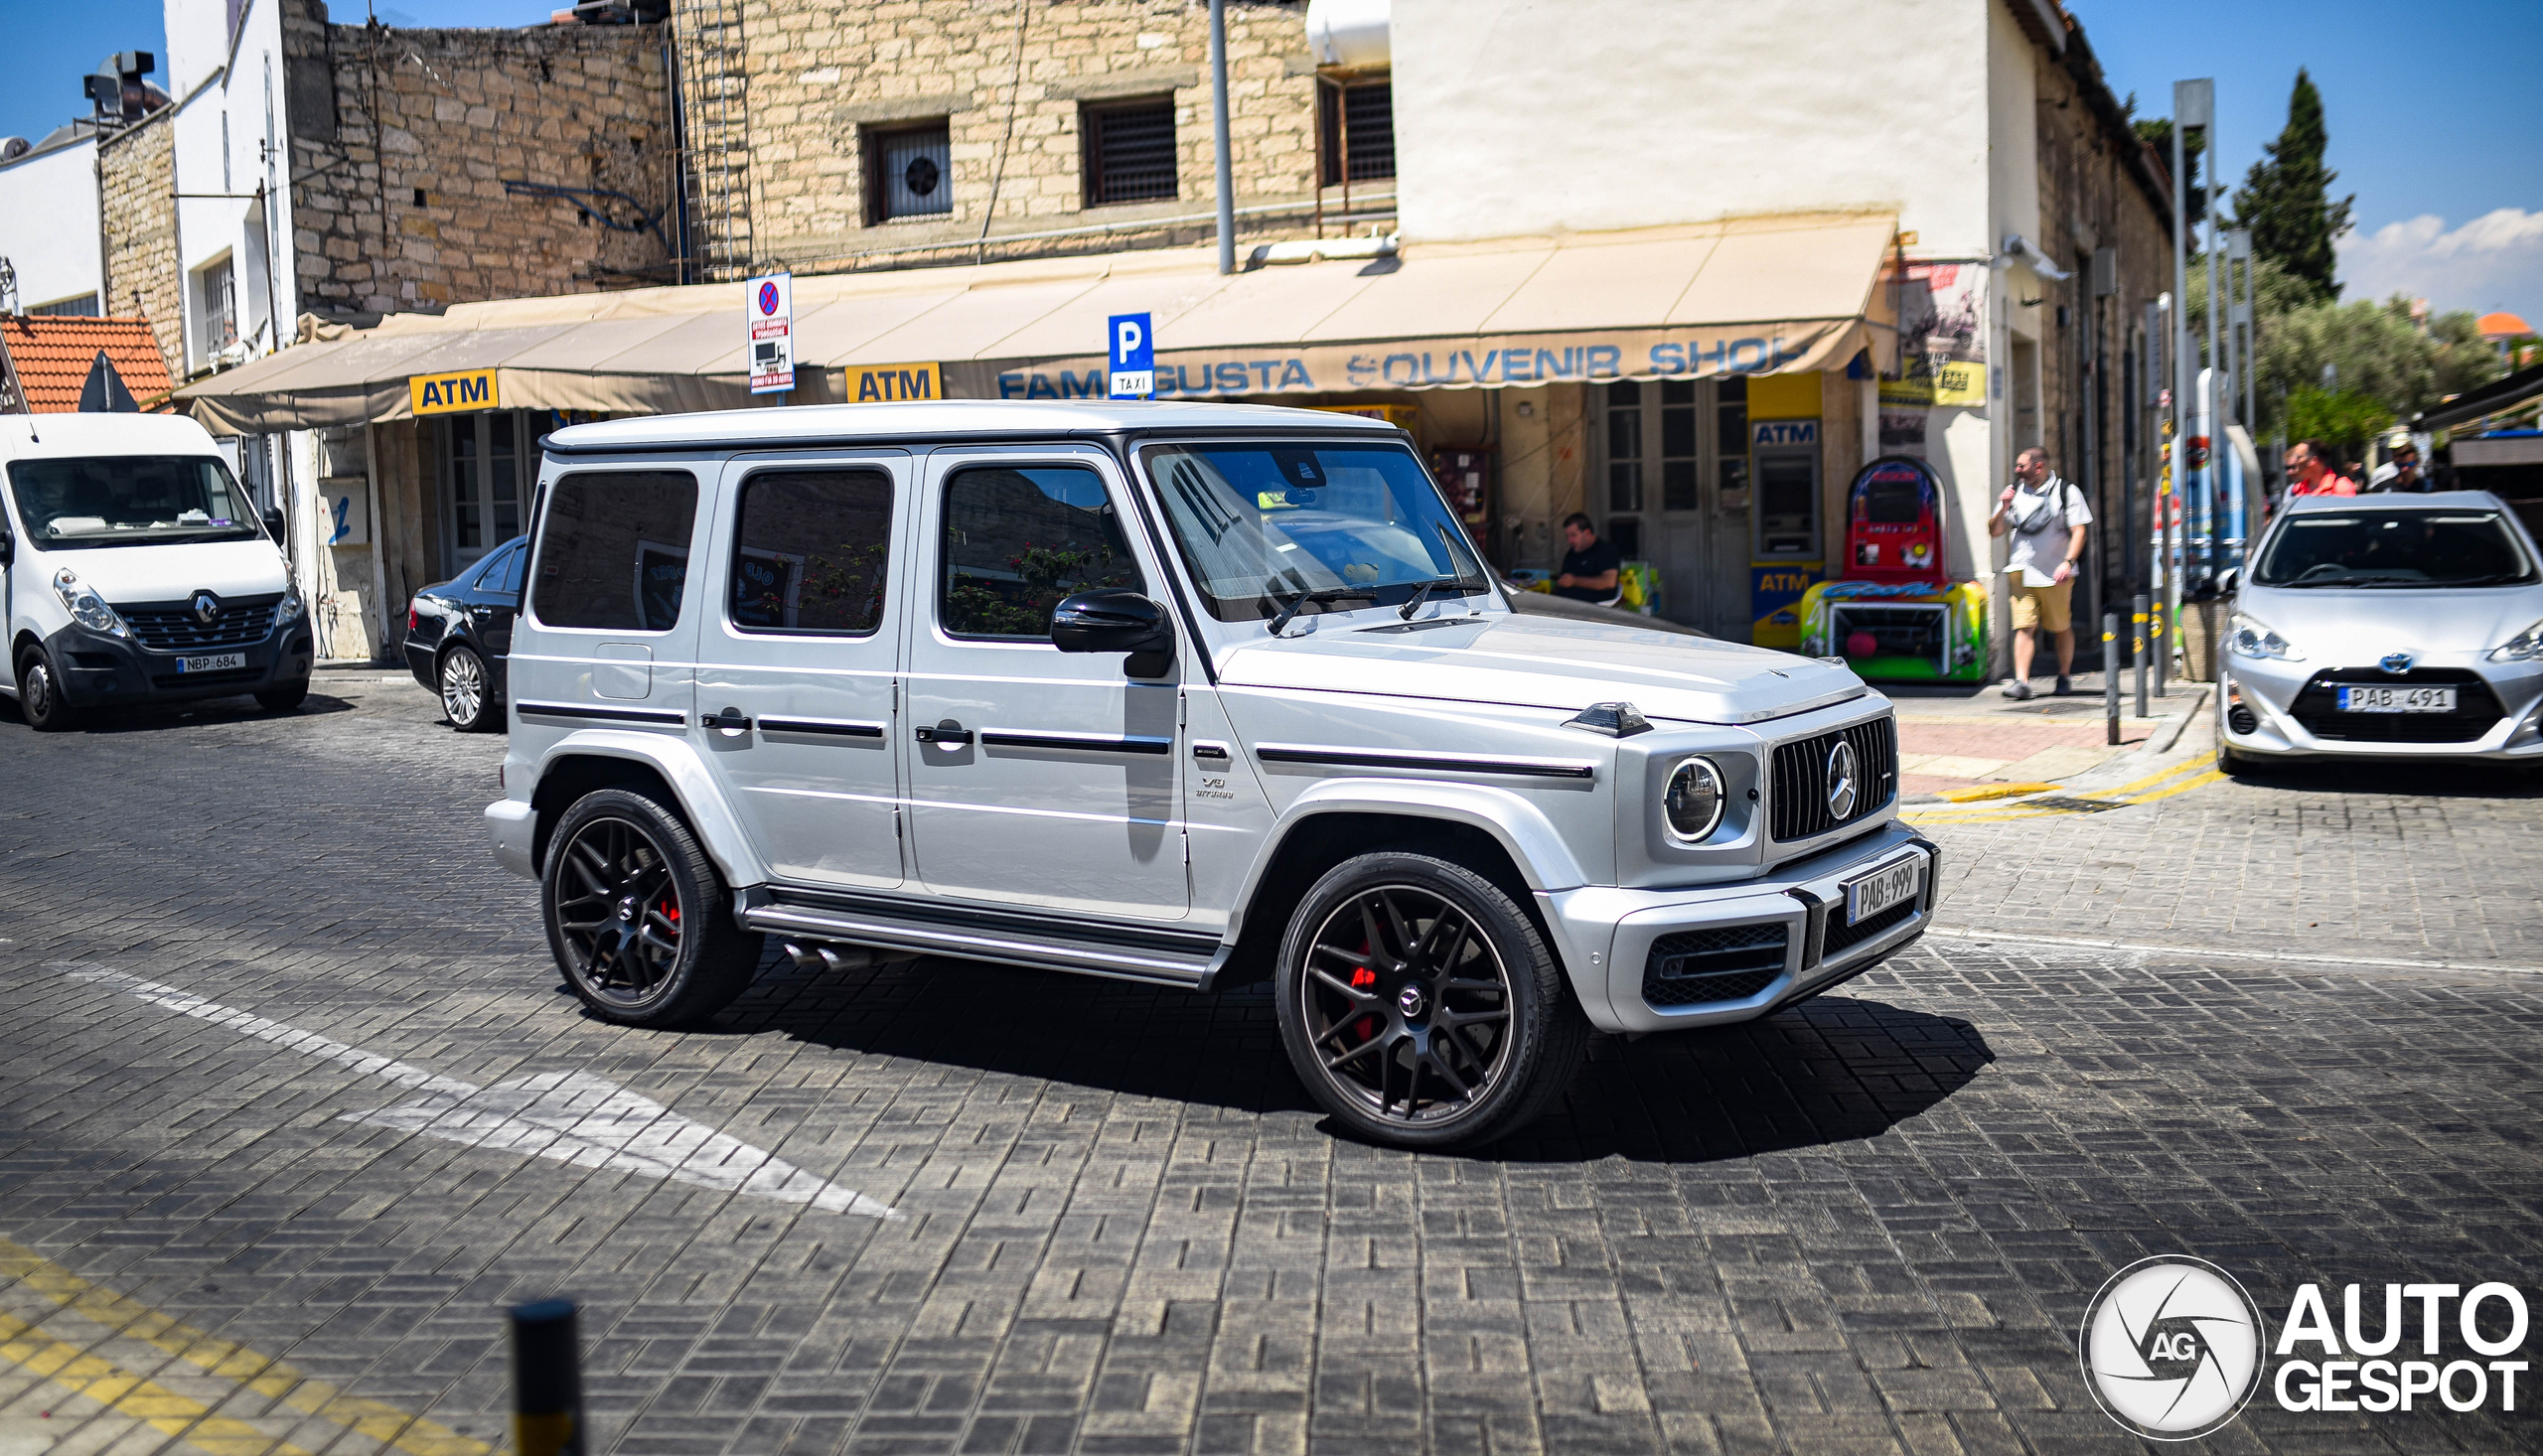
x=1133 y=350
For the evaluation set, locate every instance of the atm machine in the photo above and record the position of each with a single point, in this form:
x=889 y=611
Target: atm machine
x=1784 y=557
x=1896 y=615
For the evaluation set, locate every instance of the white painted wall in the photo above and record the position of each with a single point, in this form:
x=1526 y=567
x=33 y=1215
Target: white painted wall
x=48 y=222
x=1537 y=117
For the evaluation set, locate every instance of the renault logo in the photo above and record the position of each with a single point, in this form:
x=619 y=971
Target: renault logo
x=1841 y=780
x=2396 y=663
x=207 y=607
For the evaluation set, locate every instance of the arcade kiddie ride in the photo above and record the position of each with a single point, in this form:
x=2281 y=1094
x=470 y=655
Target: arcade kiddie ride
x=1896 y=615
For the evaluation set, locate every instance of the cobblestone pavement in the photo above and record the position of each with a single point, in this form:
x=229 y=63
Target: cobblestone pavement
x=1867 y=1225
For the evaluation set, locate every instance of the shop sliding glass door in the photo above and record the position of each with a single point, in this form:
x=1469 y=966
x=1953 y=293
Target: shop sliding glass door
x=481 y=477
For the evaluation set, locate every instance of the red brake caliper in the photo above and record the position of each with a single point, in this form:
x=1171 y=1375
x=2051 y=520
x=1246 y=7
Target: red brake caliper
x=1362 y=978
x=670 y=912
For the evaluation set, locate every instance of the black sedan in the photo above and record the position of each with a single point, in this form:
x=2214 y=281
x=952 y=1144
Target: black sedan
x=460 y=632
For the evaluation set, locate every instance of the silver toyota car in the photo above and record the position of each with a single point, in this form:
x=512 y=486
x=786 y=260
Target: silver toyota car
x=2386 y=625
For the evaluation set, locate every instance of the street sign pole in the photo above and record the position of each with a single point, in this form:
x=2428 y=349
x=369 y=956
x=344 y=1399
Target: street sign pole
x=1132 y=346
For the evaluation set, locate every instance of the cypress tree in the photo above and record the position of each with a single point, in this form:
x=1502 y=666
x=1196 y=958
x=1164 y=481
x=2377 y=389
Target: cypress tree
x=2287 y=199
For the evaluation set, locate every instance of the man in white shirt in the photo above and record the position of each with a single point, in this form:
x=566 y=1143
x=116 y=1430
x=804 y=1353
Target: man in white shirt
x=2047 y=516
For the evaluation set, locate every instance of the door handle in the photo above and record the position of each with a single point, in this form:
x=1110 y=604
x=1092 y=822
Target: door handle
x=731 y=718
x=948 y=735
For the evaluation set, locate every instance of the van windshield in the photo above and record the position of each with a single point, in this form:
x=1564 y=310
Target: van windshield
x=1329 y=526
x=2391 y=549
x=130 y=501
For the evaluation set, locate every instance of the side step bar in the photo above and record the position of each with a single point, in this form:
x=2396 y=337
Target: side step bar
x=815 y=934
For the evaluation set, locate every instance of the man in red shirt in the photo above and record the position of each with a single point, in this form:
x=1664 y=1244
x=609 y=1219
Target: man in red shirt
x=2309 y=473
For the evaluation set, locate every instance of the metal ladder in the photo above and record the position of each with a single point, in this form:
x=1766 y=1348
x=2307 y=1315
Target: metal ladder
x=714 y=137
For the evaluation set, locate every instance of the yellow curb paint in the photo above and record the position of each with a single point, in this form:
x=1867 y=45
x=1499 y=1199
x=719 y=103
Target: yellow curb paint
x=2212 y=776
x=232 y=1361
x=127 y=1395
x=2205 y=760
x=1980 y=792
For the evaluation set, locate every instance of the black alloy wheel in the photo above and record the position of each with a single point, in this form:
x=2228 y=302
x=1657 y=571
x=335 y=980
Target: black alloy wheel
x=1419 y=1005
x=636 y=914
x=40 y=698
x=462 y=690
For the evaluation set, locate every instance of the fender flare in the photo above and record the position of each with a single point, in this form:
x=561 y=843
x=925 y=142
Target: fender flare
x=701 y=801
x=1544 y=861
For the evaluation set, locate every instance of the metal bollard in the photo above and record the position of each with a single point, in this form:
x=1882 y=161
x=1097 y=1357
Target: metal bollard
x=2109 y=674
x=548 y=1379
x=2137 y=652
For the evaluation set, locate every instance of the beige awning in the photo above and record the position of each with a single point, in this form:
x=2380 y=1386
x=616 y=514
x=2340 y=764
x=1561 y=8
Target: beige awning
x=1764 y=295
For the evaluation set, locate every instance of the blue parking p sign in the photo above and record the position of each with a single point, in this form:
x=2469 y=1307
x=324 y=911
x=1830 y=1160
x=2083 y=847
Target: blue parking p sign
x=1134 y=350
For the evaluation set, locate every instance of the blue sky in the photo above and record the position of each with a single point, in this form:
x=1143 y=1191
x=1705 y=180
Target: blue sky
x=2432 y=106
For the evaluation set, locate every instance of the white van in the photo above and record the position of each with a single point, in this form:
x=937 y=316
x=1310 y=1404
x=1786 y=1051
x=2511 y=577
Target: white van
x=133 y=569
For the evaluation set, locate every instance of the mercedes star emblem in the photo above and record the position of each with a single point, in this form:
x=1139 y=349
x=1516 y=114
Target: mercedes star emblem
x=1841 y=780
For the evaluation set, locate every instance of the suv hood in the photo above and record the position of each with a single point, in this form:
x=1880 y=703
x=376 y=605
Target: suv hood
x=1546 y=662
x=173 y=571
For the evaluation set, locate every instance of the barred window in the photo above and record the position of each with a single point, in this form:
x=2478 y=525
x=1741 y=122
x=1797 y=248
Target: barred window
x=1130 y=151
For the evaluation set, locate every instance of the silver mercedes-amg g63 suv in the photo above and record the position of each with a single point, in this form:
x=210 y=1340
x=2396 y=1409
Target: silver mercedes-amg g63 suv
x=1184 y=694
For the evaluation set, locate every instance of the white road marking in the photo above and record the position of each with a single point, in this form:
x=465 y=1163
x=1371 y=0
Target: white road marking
x=571 y=1117
x=2210 y=952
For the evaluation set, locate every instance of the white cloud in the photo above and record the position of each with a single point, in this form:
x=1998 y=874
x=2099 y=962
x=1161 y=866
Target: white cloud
x=2494 y=261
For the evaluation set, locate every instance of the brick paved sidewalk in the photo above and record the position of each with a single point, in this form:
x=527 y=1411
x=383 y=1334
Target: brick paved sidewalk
x=1955 y=739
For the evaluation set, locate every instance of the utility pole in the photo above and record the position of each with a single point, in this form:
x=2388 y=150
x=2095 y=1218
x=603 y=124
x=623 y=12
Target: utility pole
x=2193 y=105
x=1219 y=121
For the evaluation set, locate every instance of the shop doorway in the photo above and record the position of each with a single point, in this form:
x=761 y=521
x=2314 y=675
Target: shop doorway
x=480 y=474
x=1672 y=488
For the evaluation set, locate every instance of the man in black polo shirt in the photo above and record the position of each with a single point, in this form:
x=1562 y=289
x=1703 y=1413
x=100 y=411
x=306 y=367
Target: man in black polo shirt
x=1589 y=568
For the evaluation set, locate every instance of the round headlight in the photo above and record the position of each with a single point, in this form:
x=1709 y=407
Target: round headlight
x=1693 y=805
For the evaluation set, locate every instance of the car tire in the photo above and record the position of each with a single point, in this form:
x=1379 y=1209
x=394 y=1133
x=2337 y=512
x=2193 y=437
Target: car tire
x=466 y=696
x=637 y=916
x=285 y=698
x=40 y=699
x=1420 y=1006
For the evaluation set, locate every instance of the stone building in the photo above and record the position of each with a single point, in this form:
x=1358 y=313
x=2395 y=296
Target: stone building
x=1691 y=311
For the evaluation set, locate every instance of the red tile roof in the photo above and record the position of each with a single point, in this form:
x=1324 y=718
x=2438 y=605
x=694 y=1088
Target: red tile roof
x=53 y=353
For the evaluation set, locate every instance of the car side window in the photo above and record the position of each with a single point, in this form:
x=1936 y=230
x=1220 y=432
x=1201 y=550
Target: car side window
x=514 y=561
x=1018 y=539
x=613 y=549
x=809 y=551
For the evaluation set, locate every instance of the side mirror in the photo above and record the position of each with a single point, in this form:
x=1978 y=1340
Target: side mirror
x=1116 y=621
x=8 y=546
x=2227 y=580
x=273 y=523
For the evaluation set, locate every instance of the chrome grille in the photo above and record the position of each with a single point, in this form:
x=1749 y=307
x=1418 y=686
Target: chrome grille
x=174 y=628
x=1797 y=789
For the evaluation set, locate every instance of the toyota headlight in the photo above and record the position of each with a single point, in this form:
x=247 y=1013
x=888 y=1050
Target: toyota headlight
x=291 y=609
x=2525 y=647
x=2253 y=639
x=1693 y=803
x=86 y=607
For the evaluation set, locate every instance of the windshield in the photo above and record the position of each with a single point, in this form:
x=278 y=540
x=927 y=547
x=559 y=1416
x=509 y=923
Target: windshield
x=1261 y=524
x=130 y=501
x=2395 y=548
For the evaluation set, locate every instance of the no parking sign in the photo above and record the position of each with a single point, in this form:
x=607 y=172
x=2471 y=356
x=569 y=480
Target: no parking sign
x=769 y=308
x=1133 y=350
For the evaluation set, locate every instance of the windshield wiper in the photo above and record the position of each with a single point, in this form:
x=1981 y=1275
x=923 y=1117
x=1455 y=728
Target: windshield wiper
x=1422 y=594
x=1289 y=609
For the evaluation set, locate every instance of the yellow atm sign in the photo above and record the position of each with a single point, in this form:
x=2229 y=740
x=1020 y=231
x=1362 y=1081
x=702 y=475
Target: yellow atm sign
x=886 y=384
x=451 y=393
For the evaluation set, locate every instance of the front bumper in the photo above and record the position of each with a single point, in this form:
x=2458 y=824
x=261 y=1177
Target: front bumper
x=1607 y=934
x=2256 y=712
x=98 y=671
